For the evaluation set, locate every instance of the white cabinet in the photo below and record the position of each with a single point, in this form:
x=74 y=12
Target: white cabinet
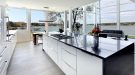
x=69 y=59
x=52 y=49
x=6 y=54
x=59 y=54
x=45 y=45
x=69 y=56
x=3 y=67
x=88 y=64
x=67 y=69
x=10 y=47
x=3 y=61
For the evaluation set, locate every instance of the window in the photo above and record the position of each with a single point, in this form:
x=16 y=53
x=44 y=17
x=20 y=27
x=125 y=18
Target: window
x=127 y=17
x=103 y=13
x=58 y=18
x=108 y=9
x=36 y=25
x=16 y=19
x=90 y=18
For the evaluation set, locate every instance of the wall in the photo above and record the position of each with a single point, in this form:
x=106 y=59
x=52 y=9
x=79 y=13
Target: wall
x=23 y=35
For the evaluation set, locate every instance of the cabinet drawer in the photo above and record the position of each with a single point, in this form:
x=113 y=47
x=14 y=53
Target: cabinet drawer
x=69 y=49
x=52 y=44
x=67 y=69
x=3 y=67
x=53 y=56
x=45 y=44
x=69 y=58
x=2 y=52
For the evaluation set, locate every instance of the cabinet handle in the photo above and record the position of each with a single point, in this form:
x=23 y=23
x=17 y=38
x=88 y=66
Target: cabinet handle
x=3 y=66
x=69 y=52
x=3 y=51
x=0 y=58
x=69 y=65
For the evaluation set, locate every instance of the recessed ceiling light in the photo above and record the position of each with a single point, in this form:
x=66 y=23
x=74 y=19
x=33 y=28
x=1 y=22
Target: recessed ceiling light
x=46 y=7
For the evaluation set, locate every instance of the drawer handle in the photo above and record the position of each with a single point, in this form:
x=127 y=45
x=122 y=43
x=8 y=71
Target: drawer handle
x=70 y=53
x=3 y=66
x=3 y=51
x=0 y=58
x=69 y=65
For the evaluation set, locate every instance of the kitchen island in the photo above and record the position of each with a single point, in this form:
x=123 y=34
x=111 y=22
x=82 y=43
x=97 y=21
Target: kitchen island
x=77 y=55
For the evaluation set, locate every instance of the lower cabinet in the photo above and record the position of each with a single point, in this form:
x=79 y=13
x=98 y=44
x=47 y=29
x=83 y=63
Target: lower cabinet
x=71 y=60
x=67 y=69
x=45 y=45
x=88 y=64
x=3 y=67
x=6 y=54
x=51 y=48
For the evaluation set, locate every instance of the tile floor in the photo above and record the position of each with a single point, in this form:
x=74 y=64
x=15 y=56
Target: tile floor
x=31 y=60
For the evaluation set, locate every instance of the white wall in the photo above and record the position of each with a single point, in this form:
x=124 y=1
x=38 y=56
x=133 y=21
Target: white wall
x=23 y=35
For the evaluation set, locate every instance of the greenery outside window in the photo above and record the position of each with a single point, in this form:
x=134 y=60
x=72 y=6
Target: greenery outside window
x=36 y=25
x=16 y=19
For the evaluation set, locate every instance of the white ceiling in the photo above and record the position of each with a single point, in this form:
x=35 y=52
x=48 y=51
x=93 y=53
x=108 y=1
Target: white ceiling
x=2 y=2
x=54 y=5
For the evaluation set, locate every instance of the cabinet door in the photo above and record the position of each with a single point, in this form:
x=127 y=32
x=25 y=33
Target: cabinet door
x=52 y=44
x=10 y=48
x=88 y=64
x=3 y=67
x=67 y=69
x=45 y=45
x=69 y=59
x=52 y=49
x=59 y=55
x=6 y=54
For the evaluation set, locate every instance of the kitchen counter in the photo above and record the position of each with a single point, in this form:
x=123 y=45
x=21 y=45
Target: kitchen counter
x=85 y=54
x=85 y=43
x=6 y=51
x=11 y=34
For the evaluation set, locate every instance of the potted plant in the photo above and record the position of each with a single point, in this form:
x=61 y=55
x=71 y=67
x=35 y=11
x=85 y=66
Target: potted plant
x=95 y=32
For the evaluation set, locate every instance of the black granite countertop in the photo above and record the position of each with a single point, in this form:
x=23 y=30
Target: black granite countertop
x=105 y=47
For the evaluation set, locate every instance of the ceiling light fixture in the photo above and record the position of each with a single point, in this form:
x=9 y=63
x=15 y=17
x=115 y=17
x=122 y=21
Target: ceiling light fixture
x=46 y=7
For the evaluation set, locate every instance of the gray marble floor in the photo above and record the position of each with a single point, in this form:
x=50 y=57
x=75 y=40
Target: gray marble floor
x=31 y=60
